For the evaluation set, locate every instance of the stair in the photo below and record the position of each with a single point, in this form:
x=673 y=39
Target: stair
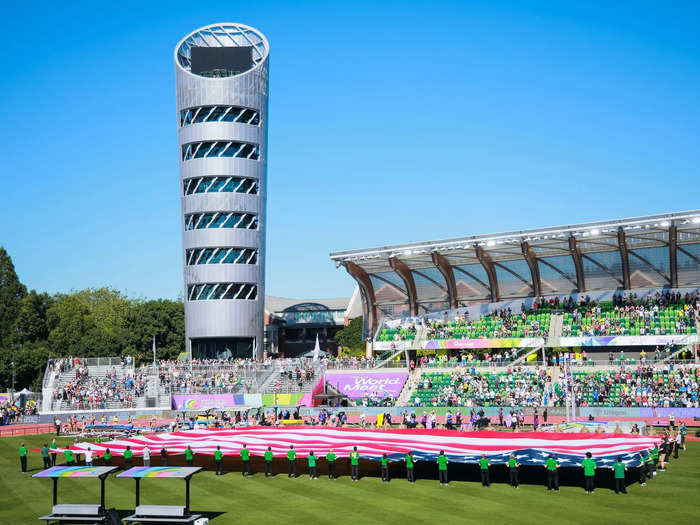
x=409 y=386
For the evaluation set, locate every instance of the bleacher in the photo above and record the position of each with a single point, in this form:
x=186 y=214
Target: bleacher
x=493 y=326
x=484 y=388
x=615 y=388
x=396 y=334
x=670 y=320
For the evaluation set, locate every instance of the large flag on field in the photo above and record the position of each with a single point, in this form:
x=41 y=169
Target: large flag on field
x=530 y=448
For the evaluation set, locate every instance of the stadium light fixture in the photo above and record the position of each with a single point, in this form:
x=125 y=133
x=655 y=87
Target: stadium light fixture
x=696 y=220
x=491 y=243
x=595 y=231
x=665 y=223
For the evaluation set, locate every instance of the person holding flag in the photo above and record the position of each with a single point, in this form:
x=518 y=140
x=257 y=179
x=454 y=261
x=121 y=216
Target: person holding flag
x=442 y=468
x=409 y=468
x=45 y=451
x=619 y=468
x=23 y=457
x=513 y=471
x=385 y=469
x=355 y=464
x=552 y=473
x=128 y=455
x=269 y=456
x=589 y=467
x=107 y=458
x=330 y=457
x=219 y=460
x=484 y=468
x=70 y=458
x=312 y=465
x=189 y=456
x=291 y=457
x=245 y=460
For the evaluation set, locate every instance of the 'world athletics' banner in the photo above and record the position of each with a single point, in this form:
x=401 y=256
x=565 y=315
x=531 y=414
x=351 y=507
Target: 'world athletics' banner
x=456 y=344
x=359 y=384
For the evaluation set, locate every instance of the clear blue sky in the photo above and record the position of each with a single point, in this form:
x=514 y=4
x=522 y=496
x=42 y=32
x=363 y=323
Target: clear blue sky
x=389 y=122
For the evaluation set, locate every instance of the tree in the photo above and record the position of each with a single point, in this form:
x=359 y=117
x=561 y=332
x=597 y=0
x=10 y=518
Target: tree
x=350 y=338
x=31 y=321
x=11 y=293
x=161 y=318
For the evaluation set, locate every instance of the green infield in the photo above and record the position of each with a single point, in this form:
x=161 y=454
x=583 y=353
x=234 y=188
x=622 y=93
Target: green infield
x=672 y=496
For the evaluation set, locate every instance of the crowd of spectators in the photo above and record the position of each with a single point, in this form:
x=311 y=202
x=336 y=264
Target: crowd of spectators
x=470 y=387
x=210 y=376
x=499 y=324
x=85 y=392
x=640 y=386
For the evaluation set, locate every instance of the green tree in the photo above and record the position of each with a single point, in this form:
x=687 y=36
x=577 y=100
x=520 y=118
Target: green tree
x=31 y=321
x=350 y=338
x=11 y=293
x=161 y=318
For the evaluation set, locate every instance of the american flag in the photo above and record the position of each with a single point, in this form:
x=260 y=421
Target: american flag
x=529 y=448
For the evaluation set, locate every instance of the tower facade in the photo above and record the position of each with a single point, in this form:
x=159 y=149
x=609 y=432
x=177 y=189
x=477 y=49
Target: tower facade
x=221 y=83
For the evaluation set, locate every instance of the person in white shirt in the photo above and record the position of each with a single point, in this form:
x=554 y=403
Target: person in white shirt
x=88 y=457
x=146 y=457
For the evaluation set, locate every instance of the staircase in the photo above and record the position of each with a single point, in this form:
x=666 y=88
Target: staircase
x=409 y=386
x=556 y=325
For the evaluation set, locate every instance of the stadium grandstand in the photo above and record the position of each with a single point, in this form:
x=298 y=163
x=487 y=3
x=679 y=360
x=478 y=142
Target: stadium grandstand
x=561 y=286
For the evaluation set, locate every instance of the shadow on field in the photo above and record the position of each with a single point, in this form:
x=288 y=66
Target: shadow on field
x=123 y=513
x=528 y=475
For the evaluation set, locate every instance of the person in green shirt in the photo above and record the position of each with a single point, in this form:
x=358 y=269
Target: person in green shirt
x=23 y=457
x=245 y=460
x=219 y=460
x=385 y=469
x=484 y=468
x=654 y=458
x=107 y=457
x=513 y=471
x=409 y=468
x=69 y=457
x=291 y=456
x=312 y=465
x=45 y=455
x=589 y=467
x=330 y=457
x=442 y=468
x=269 y=456
x=189 y=456
x=54 y=446
x=354 y=464
x=684 y=431
x=552 y=473
x=642 y=469
x=619 y=468
x=128 y=458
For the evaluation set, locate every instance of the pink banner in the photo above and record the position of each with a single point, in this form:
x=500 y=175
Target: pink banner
x=359 y=384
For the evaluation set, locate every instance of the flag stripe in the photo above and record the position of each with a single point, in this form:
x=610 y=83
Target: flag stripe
x=530 y=448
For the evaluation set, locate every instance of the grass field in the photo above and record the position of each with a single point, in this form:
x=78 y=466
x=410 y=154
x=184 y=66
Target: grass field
x=672 y=497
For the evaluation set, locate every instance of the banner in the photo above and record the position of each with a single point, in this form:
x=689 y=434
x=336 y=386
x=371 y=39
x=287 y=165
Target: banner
x=207 y=401
x=359 y=384
x=456 y=344
x=629 y=340
x=392 y=345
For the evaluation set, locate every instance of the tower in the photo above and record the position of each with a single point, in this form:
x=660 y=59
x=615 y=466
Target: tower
x=221 y=83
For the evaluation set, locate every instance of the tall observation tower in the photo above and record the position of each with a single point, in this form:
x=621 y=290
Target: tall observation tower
x=221 y=83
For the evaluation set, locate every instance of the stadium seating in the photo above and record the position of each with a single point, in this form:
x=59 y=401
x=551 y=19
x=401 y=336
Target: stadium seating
x=606 y=319
x=637 y=387
x=501 y=325
x=483 y=388
x=400 y=334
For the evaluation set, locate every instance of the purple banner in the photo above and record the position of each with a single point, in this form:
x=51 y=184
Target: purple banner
x=203 y=401
x=359 y=384
x=665 y=412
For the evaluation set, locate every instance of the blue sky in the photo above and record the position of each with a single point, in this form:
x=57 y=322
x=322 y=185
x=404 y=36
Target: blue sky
x=389 y=122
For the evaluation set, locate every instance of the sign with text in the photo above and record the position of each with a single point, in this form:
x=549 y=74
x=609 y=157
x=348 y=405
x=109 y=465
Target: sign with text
x=359 y=384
